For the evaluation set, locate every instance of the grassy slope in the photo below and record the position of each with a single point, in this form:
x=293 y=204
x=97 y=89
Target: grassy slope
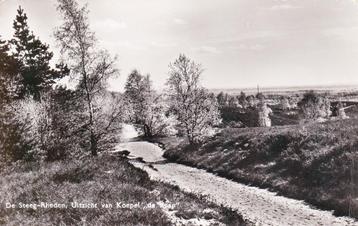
x=106 y=179
x=311 y=162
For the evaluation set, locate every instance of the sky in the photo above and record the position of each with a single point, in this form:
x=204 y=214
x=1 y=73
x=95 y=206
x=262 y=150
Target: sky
x=239 y=43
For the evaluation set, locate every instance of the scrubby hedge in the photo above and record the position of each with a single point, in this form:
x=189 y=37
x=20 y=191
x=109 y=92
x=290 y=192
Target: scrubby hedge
x=56 y=128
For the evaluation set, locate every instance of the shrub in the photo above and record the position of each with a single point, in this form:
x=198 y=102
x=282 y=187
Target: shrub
x=14 y=144
x=109 y=114
x=314 y=106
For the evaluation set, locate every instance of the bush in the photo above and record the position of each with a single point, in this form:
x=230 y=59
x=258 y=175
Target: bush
x=314 y=106
x=38 y=130
x=109 y=114
x=14 y=144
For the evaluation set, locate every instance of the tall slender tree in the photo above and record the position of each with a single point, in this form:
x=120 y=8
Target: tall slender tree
x=91 y=66
x=33 y=58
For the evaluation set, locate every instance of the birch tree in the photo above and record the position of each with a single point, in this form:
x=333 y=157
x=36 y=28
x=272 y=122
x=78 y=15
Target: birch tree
x=89 y=65
x=137 y=91
x=149 y=109
x=196 y=110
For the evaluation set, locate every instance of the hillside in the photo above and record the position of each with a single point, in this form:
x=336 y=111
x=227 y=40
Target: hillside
x=316 y=162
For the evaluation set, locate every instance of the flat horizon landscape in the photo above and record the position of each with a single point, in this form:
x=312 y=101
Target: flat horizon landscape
x=287 y=89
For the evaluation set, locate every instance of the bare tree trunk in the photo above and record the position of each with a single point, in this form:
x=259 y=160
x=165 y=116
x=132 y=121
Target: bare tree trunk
x=93 y=144
x=93 y=139
x=190 y=136
x=147 y=132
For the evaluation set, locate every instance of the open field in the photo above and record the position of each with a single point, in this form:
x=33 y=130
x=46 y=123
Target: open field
x=315 y=162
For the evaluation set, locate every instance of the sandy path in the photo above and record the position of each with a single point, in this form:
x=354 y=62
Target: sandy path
x=256 y=205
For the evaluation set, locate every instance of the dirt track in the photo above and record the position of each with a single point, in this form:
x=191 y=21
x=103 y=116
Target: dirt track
x=259 y=206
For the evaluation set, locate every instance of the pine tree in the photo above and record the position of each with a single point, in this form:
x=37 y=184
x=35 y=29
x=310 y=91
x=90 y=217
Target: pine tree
x=3 y=65
x=8 y=70
x=33 y=59
x=12 y=146
x=221 y=99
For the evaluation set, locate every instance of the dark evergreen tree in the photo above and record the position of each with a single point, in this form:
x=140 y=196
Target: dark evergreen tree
x=260 y=96
x=8 y=71
x=242 y=99
x=12 y=145
x=221 y=99
x=4 y=48
x=4 y=58
x=33 y=58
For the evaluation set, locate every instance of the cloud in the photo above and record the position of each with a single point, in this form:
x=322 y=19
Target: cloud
x=285 y=6
x=179 y=21
x=124 y=44
x=208 y=49
x=248 y=36
x=345 y=33
x=251 y=47
x=109 y=24
x=163 y=44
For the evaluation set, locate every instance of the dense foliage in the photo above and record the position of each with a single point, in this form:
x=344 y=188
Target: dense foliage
x=148 y=110
x=41 y=121
x=314 y=106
